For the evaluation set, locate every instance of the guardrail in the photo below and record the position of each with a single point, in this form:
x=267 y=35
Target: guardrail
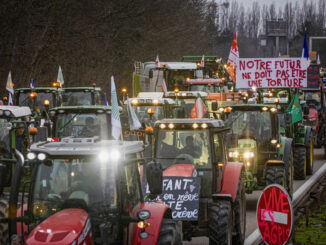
x=299 y=198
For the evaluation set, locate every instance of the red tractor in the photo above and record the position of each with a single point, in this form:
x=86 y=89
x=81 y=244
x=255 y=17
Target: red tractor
x=86 y=191
x=198 y=148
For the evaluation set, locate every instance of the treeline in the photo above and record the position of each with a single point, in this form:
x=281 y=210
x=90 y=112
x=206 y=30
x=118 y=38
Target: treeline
x=93 y=39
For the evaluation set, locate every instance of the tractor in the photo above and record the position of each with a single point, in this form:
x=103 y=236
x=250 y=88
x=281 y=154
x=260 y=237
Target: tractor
x=266 y=154
x=38 y=99
x=197 y=148
x=80 y=121
x=79 y=96
x=86 y=191
x=300 y=133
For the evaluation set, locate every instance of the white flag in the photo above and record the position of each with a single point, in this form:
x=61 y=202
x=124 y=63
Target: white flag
x=202 y=62
x=164 y=88
x=133 y=119
x=157 y=62
x=10 y=85
x=60 y=77
x=10 y=102
x=115 y=117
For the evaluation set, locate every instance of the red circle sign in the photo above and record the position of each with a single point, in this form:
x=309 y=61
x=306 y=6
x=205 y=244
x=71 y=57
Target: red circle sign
x=274 y=215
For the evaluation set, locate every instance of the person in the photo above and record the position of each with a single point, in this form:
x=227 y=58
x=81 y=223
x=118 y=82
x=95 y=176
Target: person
x=190 y=148
x=19 y=133
x=90 y=128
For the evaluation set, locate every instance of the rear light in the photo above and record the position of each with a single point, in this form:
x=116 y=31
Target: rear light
x=55 y=139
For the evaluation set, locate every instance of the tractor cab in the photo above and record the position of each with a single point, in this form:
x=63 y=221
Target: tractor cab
x=86 y=191
x=196 y=148
x=262 y=149
x=208 y=85
x=186 y=100
x=81 y=96
x=81 y=121
x=38 y=99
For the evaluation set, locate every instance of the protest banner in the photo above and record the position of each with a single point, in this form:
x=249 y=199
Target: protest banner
x=271 y=73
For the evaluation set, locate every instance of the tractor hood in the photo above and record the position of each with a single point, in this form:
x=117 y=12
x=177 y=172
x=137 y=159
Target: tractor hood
x=181 y=169
x=64 y=227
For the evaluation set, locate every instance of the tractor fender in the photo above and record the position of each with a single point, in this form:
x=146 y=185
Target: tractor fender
x=231 y=178
x=307 y=135
x=158 y=212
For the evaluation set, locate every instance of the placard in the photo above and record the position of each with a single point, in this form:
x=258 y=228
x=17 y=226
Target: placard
x=181 y=194
x=313 y=76
x=271 y=73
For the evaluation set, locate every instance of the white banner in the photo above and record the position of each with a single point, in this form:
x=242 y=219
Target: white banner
x=271 y=73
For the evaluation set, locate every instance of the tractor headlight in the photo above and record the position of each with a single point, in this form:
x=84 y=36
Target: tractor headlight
x=273 y=141
x=31 y=155
x=7 y=113
x=113 y=155
x=233 y=154
x=41 y=156
x=248 y=154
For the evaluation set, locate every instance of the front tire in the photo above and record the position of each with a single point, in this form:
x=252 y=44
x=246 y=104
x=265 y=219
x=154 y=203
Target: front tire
x=299 y=162
x=220 y=223
x=170 y=233
x=3 y=226
x=239 y=214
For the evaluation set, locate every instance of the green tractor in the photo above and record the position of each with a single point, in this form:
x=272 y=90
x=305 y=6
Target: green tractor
x=79 y=96
x=266 y=154
x=292 y=126
x=80 y=121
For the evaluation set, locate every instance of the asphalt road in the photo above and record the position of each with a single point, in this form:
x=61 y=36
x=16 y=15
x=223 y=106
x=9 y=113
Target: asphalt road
x=251 y=201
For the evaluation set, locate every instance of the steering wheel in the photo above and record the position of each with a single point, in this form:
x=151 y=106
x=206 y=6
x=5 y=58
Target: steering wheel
x=184 y=158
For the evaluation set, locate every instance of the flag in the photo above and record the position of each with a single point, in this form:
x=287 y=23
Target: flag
x=132 y=117
x=60 y=77
x=202 y=62
x=10 y=85
x=115 y=117
x=106 y=103
x=318 y=60
x=157 y=62
x=32 y=83
x=199 y=110
x=233 y=57
x=295 y=109
x=10 y=102
x=164 y=88
x=305 y=53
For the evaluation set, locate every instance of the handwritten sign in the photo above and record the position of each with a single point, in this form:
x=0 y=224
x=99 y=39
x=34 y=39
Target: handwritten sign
x=313 y=76
x=274 y=215
x=271 y=73
x=181 y=194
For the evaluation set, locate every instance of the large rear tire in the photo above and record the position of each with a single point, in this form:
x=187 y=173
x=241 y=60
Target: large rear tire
x=170 y=233
x=310 y=158
x=3 y=226
x=239 y=214
x=299 y=162
x=220 y=223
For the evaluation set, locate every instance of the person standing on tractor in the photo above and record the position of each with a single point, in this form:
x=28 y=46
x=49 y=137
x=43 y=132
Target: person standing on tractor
x=191 y=148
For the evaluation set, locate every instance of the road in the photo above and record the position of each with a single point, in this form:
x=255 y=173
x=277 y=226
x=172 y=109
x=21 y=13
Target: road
x=251 y=201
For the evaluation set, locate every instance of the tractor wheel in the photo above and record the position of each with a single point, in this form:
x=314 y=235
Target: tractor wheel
x=3 y=226
x=220 y=223
x=299 y=163
x=310 y=158
x=170 y=233
x=239 y=214
x=275 y=175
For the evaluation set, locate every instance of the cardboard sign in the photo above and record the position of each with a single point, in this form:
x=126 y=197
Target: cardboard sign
x=274 y=215
x=271 y=73
x=181 y=194
x=313 y=76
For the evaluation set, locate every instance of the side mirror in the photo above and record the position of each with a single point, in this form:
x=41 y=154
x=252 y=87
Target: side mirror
x=214 y=105
x=232 y=140
x=154 y=175
x=288 y=118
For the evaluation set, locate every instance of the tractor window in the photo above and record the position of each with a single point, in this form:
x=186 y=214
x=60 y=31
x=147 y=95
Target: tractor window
x=82 y=125
x=4 y=138
x=77 y=98
x=187 y=146
x=219 y=147
x=24 y=100
x=204 y=88
x=188 y=104
x=143 y=116
x=177 y=78
x=63 y=183
x=131 y=186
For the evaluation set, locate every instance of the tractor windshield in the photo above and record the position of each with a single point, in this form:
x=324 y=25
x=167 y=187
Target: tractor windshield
x=25 y=100
x=143 y=116
x=187 y=104
x=77 y=98
x=177 y=78
x=73 y=183
x=205 y=88
x=183 y=146
x=254 y=124
x=81 y=125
